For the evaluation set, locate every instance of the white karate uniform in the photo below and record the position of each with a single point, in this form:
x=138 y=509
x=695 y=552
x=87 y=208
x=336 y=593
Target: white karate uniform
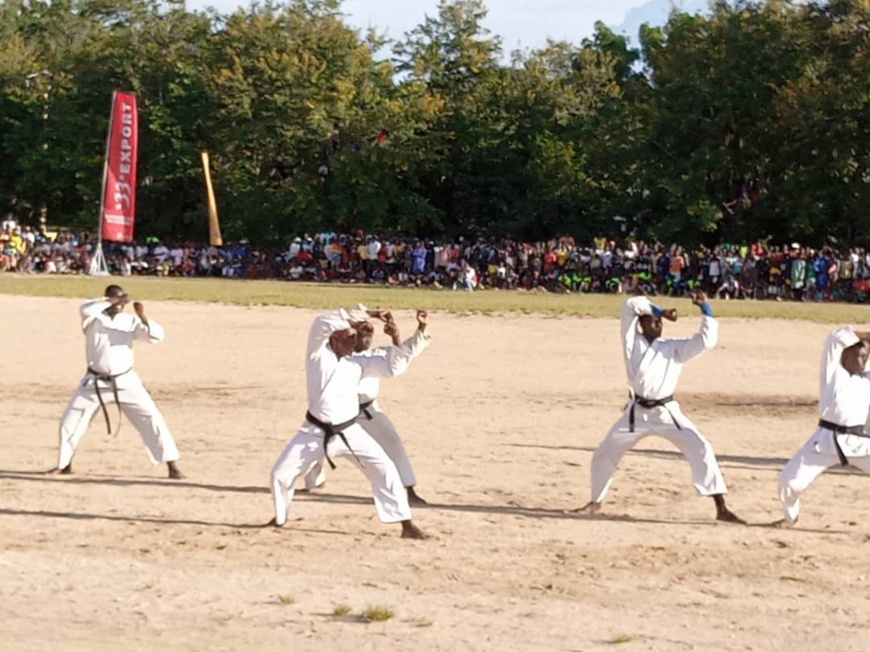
x=844 y=400
x=653 y=371
x=332 y=385
x=109 y=350
x=377 y=424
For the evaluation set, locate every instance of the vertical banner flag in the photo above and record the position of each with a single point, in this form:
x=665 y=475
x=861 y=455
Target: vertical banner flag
x=119 y=187
x=214 y=228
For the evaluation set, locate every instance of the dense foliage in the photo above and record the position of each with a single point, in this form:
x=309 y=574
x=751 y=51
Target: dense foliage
x=751 y=122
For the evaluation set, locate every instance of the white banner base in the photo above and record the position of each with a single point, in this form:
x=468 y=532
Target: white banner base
x=98 y=265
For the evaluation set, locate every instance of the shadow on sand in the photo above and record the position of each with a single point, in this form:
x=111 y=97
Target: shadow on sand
x=512 y=509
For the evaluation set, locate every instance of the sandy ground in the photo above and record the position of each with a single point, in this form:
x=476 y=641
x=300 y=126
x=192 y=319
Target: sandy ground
x=500 y=416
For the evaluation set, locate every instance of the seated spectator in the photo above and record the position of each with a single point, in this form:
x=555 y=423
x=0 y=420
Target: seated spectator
x=466 y=279
x=730 y=287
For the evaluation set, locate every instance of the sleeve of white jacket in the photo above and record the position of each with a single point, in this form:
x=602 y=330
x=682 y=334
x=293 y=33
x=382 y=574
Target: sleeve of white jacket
x=705 y=339
x=417 y=343
x=632 y=309
x=323 y=327
x=152 y=333
x=395 y=361
x=837 y=341
x=93 y=309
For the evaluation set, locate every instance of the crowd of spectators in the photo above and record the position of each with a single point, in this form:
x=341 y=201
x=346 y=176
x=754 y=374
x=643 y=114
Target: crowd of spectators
x=729 y=271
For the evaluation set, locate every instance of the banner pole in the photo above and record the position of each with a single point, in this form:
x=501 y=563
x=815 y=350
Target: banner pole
x=98 y=265
x=214 y=229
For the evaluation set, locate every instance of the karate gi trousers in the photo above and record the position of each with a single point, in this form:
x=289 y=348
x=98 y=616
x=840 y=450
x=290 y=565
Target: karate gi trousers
x=662 y=421
x=306 y=450
x=136 y=404
x=818 y=454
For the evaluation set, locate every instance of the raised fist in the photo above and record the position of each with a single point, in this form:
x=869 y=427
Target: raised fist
x=699 y=297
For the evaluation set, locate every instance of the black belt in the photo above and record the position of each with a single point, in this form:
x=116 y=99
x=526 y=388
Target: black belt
x=842 y=430
x=107 y=378
x=648 y=404
x=364 y=409
x=331 y=430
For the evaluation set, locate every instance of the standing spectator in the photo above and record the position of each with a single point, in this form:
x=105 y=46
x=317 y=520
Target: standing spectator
x=362 y=253
x=820 y=266
x=797 y=273
x=715 y=271
x=418 y=259
x=676 y=265
x=373 y=248
x=29 y=237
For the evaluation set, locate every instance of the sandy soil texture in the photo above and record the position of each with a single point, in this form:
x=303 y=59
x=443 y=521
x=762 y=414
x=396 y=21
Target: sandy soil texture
x=500 y=416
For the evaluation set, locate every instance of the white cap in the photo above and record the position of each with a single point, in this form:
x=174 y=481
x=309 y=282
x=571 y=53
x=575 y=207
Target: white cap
x=358 y=313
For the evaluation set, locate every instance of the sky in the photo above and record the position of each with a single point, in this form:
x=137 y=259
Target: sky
x=521 y=24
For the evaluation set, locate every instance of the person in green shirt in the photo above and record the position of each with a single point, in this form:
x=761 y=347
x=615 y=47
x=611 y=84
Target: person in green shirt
x=797 y=275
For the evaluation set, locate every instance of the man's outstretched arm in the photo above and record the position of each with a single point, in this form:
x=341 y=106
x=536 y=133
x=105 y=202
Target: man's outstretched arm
x=707 y=336
x=398 y=357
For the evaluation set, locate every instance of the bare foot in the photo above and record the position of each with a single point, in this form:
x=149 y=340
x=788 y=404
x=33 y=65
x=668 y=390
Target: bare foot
x=588 y=508
x=413 y=498
x=723 y=513
x=783 y=524
x=727 y=516
x=411 y=531
x=174 y=472
x=67 y=470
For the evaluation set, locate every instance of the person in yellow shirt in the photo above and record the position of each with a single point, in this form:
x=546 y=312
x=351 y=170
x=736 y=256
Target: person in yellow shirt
x=16 y=242
x=362 y=254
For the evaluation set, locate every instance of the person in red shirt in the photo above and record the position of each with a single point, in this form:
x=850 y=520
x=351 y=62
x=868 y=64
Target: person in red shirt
x=549 y=260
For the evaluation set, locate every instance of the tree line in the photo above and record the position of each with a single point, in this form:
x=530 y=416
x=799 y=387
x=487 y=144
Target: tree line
x=747 y=123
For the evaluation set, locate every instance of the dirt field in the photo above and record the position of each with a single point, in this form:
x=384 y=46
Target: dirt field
x=500 y=416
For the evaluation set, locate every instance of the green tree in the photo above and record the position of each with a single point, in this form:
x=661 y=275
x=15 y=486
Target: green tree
x=451 y=59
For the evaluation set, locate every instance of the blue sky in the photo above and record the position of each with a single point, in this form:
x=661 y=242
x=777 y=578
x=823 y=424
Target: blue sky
x=520 y=23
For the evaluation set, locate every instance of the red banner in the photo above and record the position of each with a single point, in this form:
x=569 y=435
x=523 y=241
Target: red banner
x=119 y=182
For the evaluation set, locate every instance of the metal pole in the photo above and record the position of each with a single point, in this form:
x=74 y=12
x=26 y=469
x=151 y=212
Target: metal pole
x=98 y=258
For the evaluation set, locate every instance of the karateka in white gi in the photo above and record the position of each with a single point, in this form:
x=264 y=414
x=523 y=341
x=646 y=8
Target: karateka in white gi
x=110 y=379
x=653 y=366
x=839 y=439
x=334 y=372
x=375 y=422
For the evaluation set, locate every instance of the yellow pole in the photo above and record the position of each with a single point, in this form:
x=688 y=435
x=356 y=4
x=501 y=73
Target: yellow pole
x=214 y=228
